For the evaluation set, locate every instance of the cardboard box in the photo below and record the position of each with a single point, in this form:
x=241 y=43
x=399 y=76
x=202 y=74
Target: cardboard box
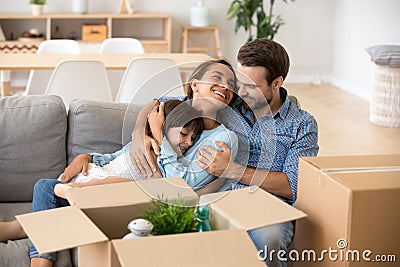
x=352 y=207
x=94 y=33
x=97 y=224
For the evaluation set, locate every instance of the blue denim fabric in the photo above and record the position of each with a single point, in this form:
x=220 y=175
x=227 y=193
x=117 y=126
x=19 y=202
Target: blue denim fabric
x=45 y=199
x=275 y=237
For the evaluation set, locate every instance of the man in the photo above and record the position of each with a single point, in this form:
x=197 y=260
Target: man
x=295 y=134
x=272 y=132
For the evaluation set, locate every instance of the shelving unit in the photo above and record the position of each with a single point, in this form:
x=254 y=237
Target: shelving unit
x=152 y=29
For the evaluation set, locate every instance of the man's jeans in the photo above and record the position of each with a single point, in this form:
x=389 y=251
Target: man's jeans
x=270 y=240
x=45 y=199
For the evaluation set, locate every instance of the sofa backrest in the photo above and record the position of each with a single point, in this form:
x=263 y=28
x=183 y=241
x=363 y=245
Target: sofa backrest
x=102 y=127
x=32 y=143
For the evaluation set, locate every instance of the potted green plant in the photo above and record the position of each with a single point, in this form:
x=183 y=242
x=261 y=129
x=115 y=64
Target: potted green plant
x=37 y=7
x=171 y=217
x=244 y=11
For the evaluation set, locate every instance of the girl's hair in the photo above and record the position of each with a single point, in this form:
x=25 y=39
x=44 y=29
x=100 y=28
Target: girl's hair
x=181 y=114
x=198 y=74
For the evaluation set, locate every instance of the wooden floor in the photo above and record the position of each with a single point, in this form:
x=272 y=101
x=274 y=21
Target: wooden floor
x=343 y=121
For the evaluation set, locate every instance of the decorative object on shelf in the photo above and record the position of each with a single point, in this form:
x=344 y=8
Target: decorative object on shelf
x=57 y=33
x=139 y=228
x=171 y=217
x=33 y=35
x=37 y=7
x=267 y=25
x=80 y=6
x=94 y=33
x=125 y=4
x=200 y=16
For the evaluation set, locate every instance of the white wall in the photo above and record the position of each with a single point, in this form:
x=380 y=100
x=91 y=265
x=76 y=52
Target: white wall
x=359 y=24
x=325 y=39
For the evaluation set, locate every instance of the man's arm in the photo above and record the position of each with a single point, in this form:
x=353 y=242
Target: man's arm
x=283 y=183
x=221 y=164
x=276 y=183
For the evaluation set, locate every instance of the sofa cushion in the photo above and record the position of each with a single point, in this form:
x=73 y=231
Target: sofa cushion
x=385 y=55
x=32 y=143
x=101 y=127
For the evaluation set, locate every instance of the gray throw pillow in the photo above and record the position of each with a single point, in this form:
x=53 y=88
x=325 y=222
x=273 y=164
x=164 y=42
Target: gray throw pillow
x=385 y=55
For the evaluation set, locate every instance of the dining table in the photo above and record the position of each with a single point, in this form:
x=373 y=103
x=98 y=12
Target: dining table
x=186 y=62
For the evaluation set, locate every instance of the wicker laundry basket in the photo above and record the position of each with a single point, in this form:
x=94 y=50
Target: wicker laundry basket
x=385 y=96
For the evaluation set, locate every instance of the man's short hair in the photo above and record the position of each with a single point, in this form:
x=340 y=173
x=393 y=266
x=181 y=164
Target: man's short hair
x=265 y=53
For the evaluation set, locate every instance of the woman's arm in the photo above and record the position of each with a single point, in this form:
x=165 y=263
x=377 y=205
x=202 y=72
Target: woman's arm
x=139 y=153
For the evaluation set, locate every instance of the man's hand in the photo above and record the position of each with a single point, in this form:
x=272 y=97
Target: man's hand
x=216 y=162
x=78 y=165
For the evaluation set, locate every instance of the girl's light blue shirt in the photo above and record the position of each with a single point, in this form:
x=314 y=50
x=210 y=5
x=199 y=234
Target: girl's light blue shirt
x=186 y=167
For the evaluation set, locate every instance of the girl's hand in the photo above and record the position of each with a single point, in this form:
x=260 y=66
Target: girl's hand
x=80 y=164
x=156 y=120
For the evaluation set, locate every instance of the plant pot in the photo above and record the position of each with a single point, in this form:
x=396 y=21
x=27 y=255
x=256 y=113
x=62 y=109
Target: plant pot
x=37 y=10
x=80 y=6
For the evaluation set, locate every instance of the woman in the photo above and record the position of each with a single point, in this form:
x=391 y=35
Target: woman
x=211 y=87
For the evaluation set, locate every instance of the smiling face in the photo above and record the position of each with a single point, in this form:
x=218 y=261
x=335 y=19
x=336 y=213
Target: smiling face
x=181 y=138
x=255 y=90
x=214 y=88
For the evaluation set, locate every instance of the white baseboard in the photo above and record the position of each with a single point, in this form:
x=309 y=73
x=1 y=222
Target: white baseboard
x=321 y=79
x=351 y=88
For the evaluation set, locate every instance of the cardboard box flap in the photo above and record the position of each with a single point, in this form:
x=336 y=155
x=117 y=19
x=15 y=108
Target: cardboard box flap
x=369 y=180
x=169 y=188
x=58 y=229
x=215 y=248
x=248 y=208
x=353 y=163
x=133 y=192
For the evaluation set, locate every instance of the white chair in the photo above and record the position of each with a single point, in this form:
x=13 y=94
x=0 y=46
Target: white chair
x=146 y=78
x=119 y=46
x=80 y=79
x=38 y=79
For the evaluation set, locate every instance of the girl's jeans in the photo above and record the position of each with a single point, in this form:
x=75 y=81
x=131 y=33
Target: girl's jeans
x=45 y=199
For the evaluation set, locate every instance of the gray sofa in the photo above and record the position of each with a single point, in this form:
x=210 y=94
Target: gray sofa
x=38 y=138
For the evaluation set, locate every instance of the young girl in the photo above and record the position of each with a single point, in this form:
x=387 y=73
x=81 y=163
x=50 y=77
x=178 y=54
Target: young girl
x=182 y=125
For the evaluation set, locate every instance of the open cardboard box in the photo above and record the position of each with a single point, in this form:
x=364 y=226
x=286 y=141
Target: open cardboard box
x=100 y=217
x=352 y=206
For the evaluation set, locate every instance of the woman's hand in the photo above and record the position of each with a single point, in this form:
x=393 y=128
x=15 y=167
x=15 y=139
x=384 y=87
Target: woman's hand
x=142 y=144
x=156 y=120
x=140 y=152
x=80 y=164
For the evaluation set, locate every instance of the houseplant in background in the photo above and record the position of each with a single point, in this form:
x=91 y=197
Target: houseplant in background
x=37 y=7
x=244 y=11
